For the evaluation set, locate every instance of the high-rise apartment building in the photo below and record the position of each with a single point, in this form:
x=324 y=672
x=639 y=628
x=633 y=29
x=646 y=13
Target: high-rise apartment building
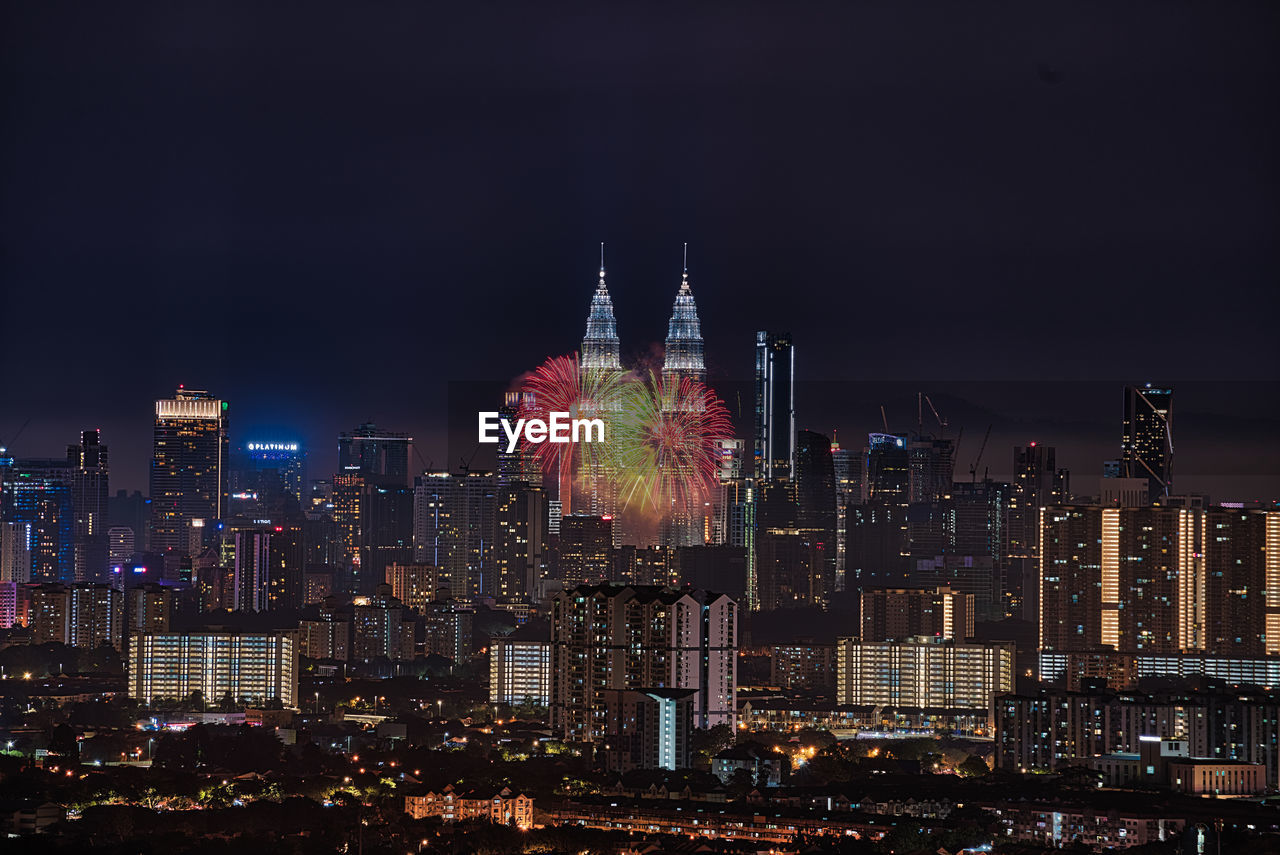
x=85 y=614
x=1146 y=448
x=898 y=614
x=775 y=434
x=610 y=638
x=1159 y=580
x=520 y=667
x=189 y=469
x=254 y=666
x=923 y=673
x=415 y=585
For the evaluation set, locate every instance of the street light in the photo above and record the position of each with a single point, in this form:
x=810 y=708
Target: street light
x=317 y=703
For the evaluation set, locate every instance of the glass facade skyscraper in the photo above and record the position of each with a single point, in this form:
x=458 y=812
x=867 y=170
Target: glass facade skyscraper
x=775 y=405
x=188 y=469
x=1146 y=449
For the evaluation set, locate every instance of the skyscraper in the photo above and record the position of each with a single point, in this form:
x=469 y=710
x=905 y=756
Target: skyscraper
x=453 y=528
x=600 y=344
x=816 y=508
x=683 y=354
x=380 y=456
x=517 y=465
x=775 y=445
x=271 y=467
x=87 y=470
x=188 y=469
x=37 y=493
x=1146 y=449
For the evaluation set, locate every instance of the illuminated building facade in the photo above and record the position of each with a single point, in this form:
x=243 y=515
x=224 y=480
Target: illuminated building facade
x=1146 y=449
x=600 y=344
x=415 y=585
x=257 y=666
x=922 y=673
x=189 y=477
x=608 y=638
x=586 y=545
x=453 y=529
x=520 y=668
x=683 y=352
x=775 y=439
x=1160 y=580
x=520 y=540
x=896 y=614
x=37 y=494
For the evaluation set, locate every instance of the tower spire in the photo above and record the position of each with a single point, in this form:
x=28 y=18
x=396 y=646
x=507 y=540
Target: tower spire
x=684 y=278
x=600 y=345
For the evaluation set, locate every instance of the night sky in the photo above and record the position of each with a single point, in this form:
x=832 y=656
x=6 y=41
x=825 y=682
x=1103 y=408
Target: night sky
x=327 y=213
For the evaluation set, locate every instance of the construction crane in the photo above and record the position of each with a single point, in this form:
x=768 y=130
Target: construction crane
x=942 y=423
x=973 y=468
x=884 y=419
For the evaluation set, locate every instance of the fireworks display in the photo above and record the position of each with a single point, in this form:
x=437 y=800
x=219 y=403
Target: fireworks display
x=661 y=450
x=665 y=443
x=560 y=385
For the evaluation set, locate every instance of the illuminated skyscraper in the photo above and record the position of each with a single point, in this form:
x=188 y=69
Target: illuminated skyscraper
x=683 y=356
x=453 y=529
x=188 y=469
x=1146 y=449
x=775 y=406
x=600 y=345
x=37 y=492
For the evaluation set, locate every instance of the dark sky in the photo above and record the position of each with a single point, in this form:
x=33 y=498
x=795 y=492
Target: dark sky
x=326 y=212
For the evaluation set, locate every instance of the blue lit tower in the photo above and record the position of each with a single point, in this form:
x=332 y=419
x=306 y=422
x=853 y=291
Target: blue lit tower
x=684 y=336
x=600 y=345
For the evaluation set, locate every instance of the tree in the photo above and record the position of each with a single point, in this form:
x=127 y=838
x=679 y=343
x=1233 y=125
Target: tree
x=973 y=767
x=704 y=744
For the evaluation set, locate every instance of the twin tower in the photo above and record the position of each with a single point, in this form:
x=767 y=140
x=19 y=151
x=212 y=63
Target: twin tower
x=683 y=356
